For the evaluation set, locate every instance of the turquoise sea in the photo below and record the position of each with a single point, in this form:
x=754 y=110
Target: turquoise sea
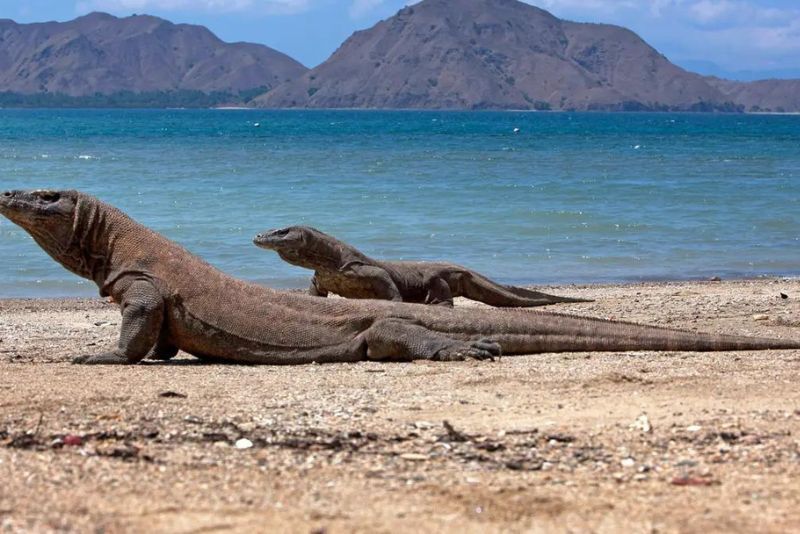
x=524 y=197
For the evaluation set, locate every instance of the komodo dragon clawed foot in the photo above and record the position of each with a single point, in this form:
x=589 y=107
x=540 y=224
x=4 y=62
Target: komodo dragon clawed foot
x=106 y=358
x=484 y=349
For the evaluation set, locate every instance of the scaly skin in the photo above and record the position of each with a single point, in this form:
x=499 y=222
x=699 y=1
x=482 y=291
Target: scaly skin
x=171 y=299
x=342 y=269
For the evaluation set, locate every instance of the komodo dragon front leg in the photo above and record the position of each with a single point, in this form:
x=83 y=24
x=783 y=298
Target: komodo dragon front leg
x=363 y=281
x=438 y=292
x=142 y=319
x=317 y=289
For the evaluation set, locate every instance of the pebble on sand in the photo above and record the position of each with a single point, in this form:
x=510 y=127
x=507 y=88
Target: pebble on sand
x=244 y=444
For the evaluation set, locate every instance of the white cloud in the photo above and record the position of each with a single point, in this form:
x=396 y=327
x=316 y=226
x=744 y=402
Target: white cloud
x=583 y=6
x=359 y=8
x=216 y=6
x=736 y=34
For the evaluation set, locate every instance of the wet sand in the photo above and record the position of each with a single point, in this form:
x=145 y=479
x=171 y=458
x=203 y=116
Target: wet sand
x=605 y=442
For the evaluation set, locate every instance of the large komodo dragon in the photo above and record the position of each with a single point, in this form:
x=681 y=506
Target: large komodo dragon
x=342 y=269
x=171 y=299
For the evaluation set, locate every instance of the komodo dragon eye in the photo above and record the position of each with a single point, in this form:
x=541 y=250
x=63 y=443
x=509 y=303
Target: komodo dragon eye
x=49 y=196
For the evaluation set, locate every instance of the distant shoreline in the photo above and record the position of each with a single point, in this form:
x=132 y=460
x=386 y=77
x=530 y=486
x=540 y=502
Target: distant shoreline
x=394 y=110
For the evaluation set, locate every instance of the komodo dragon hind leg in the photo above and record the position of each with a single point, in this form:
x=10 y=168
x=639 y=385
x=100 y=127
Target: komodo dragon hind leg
x=142 y=319
x=397 y=339
x=163 y=351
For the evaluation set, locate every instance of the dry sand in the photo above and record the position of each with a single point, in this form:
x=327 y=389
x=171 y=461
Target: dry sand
x=609 y=442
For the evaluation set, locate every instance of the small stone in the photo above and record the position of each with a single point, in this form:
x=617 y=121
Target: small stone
x=413 y=457
x=72 y=440
x=693 y=481
x=642 y=424
x=628 y=462
x=761 y=317
x=715 y=279
x=244 y=443
x=694 y=428
x=172 y=395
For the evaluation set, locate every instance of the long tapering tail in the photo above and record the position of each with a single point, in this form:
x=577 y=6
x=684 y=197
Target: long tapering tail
x=529 y=293
x=531 y=332
x=480 y=288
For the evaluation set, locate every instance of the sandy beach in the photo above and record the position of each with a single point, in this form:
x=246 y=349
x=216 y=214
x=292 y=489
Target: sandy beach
x=605 y=442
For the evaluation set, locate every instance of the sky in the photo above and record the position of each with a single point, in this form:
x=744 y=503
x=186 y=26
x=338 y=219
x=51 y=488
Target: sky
x=743 y=39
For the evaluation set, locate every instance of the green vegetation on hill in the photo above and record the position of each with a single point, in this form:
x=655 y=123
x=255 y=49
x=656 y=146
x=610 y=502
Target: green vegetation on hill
x=130 y=99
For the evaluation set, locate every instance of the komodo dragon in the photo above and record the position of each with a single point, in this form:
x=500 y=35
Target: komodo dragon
x=171 y=299
x=340 y=268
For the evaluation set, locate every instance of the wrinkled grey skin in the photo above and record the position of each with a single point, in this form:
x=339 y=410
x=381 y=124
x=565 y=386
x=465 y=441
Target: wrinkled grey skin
x=342 y=269
x=171 y=300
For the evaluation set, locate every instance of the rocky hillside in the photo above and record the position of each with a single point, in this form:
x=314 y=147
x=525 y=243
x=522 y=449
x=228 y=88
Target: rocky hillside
x=496 y=54
x=99 y=53
x=505 y=54
x=438 y=54
x=762 y=95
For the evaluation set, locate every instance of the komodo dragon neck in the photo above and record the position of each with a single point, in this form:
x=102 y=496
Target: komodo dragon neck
x=323 y=253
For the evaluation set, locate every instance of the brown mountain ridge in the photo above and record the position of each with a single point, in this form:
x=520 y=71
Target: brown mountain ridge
x=437 y=54
x=504 y=54
x=99 y=53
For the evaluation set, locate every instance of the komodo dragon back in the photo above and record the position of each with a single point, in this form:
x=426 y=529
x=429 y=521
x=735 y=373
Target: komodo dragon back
x=171 y=300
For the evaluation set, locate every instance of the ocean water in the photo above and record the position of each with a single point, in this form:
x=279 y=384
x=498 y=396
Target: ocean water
x=525 y=198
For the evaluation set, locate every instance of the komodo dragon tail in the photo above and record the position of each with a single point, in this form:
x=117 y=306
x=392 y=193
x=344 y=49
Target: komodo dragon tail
x=531 y=294
x=531 y=332
x=477 y=287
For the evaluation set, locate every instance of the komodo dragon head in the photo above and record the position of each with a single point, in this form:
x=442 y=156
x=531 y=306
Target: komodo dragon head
x=286 y=239
x=64 y=223
x=306 y=247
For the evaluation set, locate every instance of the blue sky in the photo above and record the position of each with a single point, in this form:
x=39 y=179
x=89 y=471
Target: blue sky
x=748 y=37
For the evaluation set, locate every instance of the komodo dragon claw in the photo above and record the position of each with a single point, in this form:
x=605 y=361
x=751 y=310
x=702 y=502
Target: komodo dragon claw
x=484 y=349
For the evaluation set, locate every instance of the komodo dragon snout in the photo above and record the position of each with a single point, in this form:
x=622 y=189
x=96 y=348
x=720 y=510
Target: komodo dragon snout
x=284 y=238
x=47 y=215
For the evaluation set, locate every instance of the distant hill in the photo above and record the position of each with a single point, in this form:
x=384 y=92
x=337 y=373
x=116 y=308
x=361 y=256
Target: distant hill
x=499 y=54
x=102 y=54
x=437 y=54
x=761 y=95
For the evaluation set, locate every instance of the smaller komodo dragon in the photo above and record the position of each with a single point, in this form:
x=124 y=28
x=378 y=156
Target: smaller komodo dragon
x=172 y=300
x=342 y=269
